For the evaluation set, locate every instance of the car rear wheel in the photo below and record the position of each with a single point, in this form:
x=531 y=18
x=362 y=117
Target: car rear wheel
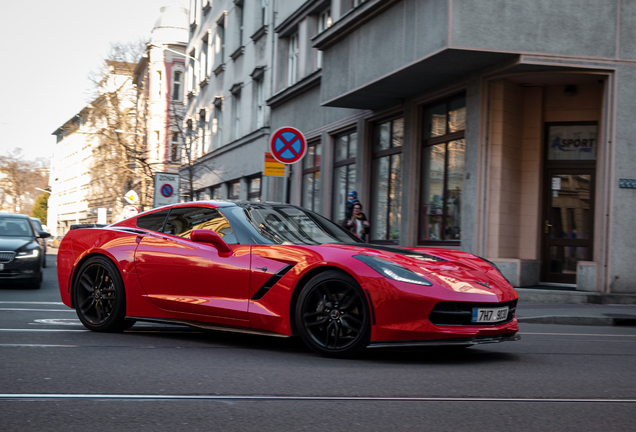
x=332 y=315
x=99 y=296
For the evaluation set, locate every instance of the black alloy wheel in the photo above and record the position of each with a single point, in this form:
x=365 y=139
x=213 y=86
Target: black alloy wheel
x=99 y=296
x=332 y=315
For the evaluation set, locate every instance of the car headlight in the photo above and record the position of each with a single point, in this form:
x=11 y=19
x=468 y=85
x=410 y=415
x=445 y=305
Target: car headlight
x=392 y=270
x=30 y=254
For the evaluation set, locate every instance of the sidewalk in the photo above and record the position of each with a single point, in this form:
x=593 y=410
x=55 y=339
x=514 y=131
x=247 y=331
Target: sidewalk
x=575 y=308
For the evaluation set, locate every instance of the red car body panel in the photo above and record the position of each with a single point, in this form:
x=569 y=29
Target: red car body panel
x=173 y=278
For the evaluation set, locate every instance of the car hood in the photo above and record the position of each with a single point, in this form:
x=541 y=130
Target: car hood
x=13 y=243
x=455 y=270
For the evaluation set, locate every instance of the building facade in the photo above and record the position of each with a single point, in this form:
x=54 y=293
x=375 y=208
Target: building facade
x=228 y=79
x=501 y=128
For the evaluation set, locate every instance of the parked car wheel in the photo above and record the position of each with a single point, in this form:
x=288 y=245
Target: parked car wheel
x=99 y=296
x=332 y=315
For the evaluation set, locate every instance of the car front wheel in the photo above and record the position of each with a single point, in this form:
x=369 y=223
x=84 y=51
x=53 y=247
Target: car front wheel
x=332 y=315
x=99 y=296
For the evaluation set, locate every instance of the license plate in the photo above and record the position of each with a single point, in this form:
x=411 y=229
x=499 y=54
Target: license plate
x=490 y=315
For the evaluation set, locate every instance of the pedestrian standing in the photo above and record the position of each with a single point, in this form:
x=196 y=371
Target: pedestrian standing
x=351 y=200
x=358 y=223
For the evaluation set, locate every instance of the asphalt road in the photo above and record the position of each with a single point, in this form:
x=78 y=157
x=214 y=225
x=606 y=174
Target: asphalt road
x=56 y=376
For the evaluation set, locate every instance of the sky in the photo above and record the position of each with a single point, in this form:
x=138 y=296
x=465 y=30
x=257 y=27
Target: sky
x=50 y=47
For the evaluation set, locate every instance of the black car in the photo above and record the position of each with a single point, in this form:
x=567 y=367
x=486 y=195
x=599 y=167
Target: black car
x=21 y=255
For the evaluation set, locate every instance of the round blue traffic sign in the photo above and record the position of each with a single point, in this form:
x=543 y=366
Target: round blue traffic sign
x=166 y=190
x=288 y=145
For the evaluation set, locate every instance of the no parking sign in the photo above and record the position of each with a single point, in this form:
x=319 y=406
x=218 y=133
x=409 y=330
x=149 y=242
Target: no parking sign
x=166 y=189
x=288 y=145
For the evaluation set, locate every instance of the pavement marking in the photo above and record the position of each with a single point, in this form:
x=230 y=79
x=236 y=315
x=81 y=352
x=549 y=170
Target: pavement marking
x=576 y=334
x=32 y=302
x=38 y=310
x=57 y=397
x=36 y=346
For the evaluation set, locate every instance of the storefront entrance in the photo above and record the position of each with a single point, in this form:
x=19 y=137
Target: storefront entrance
x=568 y=200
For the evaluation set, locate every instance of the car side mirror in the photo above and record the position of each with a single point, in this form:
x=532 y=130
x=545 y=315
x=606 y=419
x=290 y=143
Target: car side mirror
x=43 y=234
x=210 y=237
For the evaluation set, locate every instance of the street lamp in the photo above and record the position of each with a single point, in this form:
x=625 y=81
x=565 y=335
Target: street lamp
x=44 y=190
x=165 y=48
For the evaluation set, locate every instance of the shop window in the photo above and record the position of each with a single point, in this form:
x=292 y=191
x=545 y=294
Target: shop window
x=254 y=188
x=386 y=190
x=344 y=172
x=311 y=178
x=442 y=186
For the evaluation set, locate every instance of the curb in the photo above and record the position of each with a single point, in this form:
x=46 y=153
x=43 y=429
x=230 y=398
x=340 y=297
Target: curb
x=575 y=297
x=568 y=320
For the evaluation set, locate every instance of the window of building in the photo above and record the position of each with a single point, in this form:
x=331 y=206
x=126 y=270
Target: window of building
x=234 y=189
x=311 y=178
x=292 y=59
x=174 y=147
x=238 y=11
x=202 y=132
x=344 y=172
x=259 y=96
x=264 y=8
x=194 y=12
x=386 y=190
x=217 y=124
x=219 y=41
x=442 y=171
x=254 y=188
x=176 y=86
x=324 y=22
x=158 y=84
x=193 y=71
x=203 y=59
x=215 y=192
x=236 y=112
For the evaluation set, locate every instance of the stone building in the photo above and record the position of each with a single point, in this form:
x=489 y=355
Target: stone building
x=501 y=127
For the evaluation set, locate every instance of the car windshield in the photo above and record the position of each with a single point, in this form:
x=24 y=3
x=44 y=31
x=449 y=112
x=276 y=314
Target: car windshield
x=15 y=227
x=284 y=224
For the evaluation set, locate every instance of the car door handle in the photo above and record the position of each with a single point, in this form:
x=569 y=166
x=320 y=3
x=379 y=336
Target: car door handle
x=261 y=268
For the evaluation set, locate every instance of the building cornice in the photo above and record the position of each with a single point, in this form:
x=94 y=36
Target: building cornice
x=307 y=83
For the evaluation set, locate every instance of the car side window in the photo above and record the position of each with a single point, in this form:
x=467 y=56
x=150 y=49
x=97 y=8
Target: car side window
x=183 y=220
x=153 y=221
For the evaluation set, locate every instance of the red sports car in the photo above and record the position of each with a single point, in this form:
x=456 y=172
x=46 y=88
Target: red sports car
x=281 y=270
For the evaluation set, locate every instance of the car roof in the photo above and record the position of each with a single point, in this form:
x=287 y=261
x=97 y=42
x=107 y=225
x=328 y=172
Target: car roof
x=14 y=215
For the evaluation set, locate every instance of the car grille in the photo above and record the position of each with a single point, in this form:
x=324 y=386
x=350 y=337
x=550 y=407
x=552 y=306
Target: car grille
x=460 y=313
x=6 y=257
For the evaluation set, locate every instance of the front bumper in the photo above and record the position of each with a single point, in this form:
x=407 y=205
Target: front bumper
x=447 y=342
x=17 y=270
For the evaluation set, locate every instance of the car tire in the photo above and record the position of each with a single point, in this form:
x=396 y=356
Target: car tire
x=332 y=315
x=36 y=283
x=99 y=296
x=44 y=260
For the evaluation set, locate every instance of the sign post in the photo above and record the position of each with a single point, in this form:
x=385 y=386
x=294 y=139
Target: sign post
x=166 y=189
x=288 y=145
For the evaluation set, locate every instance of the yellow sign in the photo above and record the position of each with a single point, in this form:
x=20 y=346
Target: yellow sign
x=272 y=167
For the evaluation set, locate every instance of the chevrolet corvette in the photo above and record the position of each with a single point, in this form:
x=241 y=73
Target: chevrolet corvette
x=280 y=270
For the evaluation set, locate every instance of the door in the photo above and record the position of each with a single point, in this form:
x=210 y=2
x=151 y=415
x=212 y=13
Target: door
x=180 y=275
x=568 y=208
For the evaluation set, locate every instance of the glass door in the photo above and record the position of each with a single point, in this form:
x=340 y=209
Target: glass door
x=567 y=222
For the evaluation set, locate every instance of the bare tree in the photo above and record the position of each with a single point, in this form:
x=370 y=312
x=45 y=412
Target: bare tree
x=120 y=162
x=19 y=180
